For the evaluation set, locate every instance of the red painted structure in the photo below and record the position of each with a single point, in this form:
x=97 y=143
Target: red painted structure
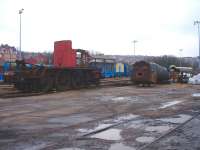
x=64 y=55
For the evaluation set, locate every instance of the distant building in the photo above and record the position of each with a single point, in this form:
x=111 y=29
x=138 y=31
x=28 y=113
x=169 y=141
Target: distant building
x=7 y=53
x=37 y=58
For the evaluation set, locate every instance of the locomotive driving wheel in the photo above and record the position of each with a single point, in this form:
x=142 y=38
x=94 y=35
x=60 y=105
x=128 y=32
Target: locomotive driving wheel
x=63 y=81
x=76 y=80
x=46 y=84
x=35 y=86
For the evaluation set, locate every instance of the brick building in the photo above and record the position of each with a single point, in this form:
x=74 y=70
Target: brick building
x=7 y=53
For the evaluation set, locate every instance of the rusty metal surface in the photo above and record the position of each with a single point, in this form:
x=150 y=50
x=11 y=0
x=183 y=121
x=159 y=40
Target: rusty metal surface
x=47 y=78
x=149 y=73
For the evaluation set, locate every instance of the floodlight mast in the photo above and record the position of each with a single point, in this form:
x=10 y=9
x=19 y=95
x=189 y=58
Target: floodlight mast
x=20 y=33
x=198 y=25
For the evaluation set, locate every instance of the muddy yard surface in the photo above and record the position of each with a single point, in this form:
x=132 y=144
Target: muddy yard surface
x=111 y=118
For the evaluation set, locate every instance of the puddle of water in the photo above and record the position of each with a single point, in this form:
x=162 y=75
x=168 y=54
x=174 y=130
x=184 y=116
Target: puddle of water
x=196 y=95
x=59 y=135
x=126 y=118
x=111 y=134
x=70 y=149
x=159 y=129
x=108 y=123
x=168 y=104
x=70 y=120
x=120 y=98
x=180 y=119
x=125 y=99
x=99 y=127
x=145 y=139
x=120 y=146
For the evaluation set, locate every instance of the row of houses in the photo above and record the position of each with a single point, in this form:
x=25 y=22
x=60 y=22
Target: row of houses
x=8 y=53
x=11 y=54
x=37 y=58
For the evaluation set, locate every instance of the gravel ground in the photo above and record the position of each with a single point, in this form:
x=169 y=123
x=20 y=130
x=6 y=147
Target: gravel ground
x=111 y=118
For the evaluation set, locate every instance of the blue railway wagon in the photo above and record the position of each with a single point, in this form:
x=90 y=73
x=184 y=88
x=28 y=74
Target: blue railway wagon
x=8 y=71
x=119 y=70
x=122 y=70
x=127 y=70
x=1 y=73
x=106 y=66
x=1 y=77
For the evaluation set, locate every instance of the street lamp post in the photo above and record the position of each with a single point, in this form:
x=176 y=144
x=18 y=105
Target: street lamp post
x=198 y=25
x=20 y=34
x=134 y=45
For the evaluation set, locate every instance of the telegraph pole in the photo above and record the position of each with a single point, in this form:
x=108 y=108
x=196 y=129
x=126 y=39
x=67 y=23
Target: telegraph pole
x=20 y=34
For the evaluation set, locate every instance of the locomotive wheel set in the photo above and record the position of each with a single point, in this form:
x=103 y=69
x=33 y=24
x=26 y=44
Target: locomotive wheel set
x=44 y=79
x=66 y=74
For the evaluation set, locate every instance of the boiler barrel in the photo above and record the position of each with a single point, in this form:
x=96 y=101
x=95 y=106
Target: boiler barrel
x=162 y=72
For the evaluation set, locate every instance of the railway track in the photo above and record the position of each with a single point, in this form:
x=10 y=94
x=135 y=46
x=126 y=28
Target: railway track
x=115 y=82
x=21 y=94
x=145 y=147
x=103 y=83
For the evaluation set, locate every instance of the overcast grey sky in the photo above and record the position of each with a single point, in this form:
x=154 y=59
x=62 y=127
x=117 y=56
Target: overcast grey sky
x=109 y=26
